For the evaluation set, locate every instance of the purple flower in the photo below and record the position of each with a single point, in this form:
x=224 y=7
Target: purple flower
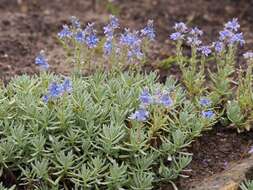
x=208 y=114
x=108 y=47
x=232 y=25
x=129 y=38
x=205 y=50
x=176 y=36
x=75 y=22
x=196 y=32
x=248 y=55
x=41 y=60
x=91 y=40
x=135 y=52
x=113 y=24
x=65 y=32
x=67 y=86
x=166 y=100
x=80 y=37
x=205 y=102
x=225 y=35
x=194 y=41
x=218 y=46
x=180 y=27
x=89 y=29
x=149 y=30
x=193 y=38
x=45 y=98
x=139 y=115
x=237 y=38
x=114 y=21
x=55 y=90
x=145 y=97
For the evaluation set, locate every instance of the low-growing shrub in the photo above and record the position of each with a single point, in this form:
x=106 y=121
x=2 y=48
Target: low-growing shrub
x=107 y=128
x=79 y=137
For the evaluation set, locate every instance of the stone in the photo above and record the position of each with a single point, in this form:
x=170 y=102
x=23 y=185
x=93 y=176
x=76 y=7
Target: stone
x=230 y=179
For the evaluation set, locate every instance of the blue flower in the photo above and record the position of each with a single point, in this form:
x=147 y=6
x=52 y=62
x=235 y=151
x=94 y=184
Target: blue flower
x=91 y=40
x=237 y=38
x=65 y=32
x=145 y=97
x=67 y=86
x=176 y=36
x=80 y=36
x=194 y=41
x=225 y=35
x=108 y=47
x=135 y=52
x=193 y=38
x=129 y=38
x=149 y=30
x=55 y=90
x=232 y=25
x=205 y=50
x=89 y=29
x=218 y=46
x=166 y=100
x=248 y=55
x=196 y=32
x=114 y=22
x=45 y=98
x=109 y=29
x=208 y=114
x=205 y=101
x=180 y=27
x=139 y=115
x=75 y=22
x=41 y=60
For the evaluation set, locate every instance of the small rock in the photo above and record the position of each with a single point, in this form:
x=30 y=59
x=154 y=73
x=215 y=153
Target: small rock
x=227 y=180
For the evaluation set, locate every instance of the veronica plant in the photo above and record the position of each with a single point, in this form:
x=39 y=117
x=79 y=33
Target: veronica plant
x=225 y=55
x=101 y=131
x=239 y=110
x=193 y=76
x=113 y=51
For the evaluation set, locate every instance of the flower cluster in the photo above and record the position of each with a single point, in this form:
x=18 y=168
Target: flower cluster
x=206 y=102
x=181 y=30
x=56 y=90
x=229 y=35
x=65 y=32
x=149 y=31
x=109 y=33
x=146 y=99
x=193 y=37
x=209 y=114
x=132 y=42
x=192 y=34
x=87 y=35
x=119 y=50
x=205 y=50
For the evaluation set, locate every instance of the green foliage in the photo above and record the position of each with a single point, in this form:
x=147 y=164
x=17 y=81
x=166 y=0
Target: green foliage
x=84 y=139
x=247 y=185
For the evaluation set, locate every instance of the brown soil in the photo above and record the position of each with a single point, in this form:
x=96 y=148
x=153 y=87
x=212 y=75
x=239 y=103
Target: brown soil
x=27 y=26
x=214 y=152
